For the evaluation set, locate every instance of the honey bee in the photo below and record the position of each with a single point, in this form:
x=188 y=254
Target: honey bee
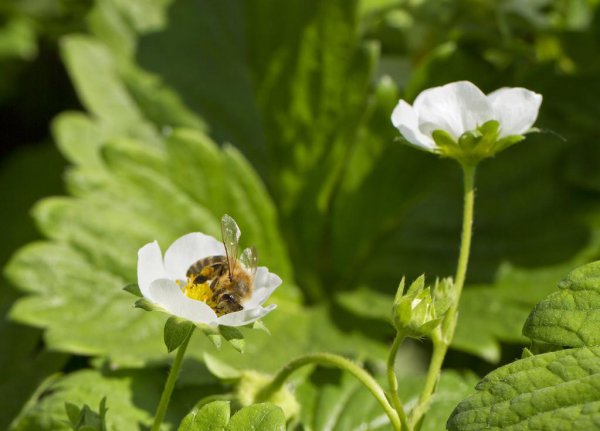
x=230 y=279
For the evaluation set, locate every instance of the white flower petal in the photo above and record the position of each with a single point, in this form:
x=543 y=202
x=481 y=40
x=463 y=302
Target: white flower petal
x=169 y=296
x=244 y=317
x=150 y=267
x=265 y=284
x=457 y=107
x=189 y=249
x=516 y=109
x=405 y=119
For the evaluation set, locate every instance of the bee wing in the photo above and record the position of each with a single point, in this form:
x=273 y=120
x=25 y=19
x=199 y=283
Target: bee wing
x=249 y=258
x=231 y=236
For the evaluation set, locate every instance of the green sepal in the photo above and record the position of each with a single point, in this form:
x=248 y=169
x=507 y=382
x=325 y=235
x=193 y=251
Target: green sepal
x=221 y=369
x=134 y=289
x=234 y=336
x=474 y=145
x=213 y=334
x=506 y=142
x=400 y=291
x=176 y=331
x=469 y=140
x=447 y=145
x=260 y=326
x=147 y=305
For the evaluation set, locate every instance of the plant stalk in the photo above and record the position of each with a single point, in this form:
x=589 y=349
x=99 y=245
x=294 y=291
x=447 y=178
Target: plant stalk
x=170 y=384
x=442 y=340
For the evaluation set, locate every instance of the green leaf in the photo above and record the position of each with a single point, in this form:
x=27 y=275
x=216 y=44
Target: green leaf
x=105 y=96
x=210 y=417
x=557 y=390
x=258 y=417
x=131 y=400
x=176 y=332
x=234 y=336
x=571 y=316
x=215 y=417
x=24 y=362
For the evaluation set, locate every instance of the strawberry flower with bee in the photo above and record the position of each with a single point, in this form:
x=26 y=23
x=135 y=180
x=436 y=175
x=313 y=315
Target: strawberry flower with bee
x=202 y=282
x=202 y=279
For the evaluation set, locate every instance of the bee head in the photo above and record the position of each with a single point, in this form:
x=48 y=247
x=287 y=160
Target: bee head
x=228 y=303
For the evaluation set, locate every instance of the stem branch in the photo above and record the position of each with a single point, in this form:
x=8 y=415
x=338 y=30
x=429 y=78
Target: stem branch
x=335 y=361
x=393 y=381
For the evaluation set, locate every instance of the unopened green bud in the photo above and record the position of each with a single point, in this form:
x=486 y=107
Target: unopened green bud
x=416 y=311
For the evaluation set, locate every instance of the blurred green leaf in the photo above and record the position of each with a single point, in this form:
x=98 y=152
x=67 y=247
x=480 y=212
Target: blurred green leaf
x=336 y=401
x=131 y=398
x=557 y=390
x=332 y=400
x=85 y=419
x=571 y=316
x=452 y=388
x=24 y=362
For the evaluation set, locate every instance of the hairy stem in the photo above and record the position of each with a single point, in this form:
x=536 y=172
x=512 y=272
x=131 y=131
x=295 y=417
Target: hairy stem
x=442 y=340
x=393 y=381
x=335 y=361
x=170 y=384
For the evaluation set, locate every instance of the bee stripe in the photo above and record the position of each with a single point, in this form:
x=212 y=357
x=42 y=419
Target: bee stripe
x=216 y=262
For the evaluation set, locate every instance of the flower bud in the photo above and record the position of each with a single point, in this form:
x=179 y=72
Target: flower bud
x=416 y=311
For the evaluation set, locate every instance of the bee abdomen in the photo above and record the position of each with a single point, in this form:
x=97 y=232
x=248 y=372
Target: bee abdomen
x=208 y=267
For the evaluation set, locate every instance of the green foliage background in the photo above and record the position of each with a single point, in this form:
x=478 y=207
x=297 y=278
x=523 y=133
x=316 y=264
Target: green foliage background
x=278 y=114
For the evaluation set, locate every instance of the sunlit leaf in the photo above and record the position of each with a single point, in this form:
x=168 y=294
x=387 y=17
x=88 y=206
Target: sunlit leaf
x=571 y=316
x=557 y=390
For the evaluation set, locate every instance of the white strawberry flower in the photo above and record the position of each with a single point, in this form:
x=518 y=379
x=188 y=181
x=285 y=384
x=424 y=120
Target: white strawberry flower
x=162 y=280
x=461 y=108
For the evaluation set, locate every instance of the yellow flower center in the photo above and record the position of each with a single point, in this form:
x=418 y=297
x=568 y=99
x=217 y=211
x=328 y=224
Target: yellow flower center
x=198 y=291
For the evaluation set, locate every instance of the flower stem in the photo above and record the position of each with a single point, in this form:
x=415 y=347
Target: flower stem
x=170 y=384
x=467 y=231
x=335 y=361
x=435 y=365
x=442 y=340
x=393 y=381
